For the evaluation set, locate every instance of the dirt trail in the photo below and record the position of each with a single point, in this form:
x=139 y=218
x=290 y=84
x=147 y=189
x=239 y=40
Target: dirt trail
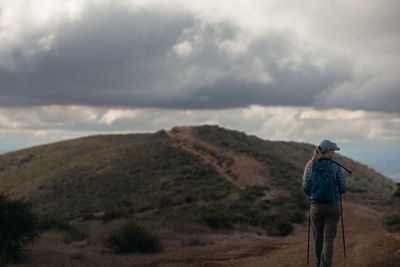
x=237 y=168
x=367 y=244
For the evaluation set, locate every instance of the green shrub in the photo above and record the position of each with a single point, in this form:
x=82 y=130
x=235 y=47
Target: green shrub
x=280 y=229
x=190 y=199
x=392 y=222
x=71 y=232
x=397 y=192
x=133 y=238
x=18 y=227
x=218 y=221
x=51 y=223
x=276 y=225
x=88 y=217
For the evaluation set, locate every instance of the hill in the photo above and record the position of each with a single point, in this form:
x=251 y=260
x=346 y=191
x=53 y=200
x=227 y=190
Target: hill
x=188 y=171
x=212 y=195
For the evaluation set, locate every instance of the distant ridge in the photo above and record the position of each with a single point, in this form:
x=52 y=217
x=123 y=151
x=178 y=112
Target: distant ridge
x=182 y=171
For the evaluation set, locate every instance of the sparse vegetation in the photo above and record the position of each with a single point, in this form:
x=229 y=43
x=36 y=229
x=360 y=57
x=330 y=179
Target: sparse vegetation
x=355 y=190
x=71 y=233
x=196 y=242
x=133 y=238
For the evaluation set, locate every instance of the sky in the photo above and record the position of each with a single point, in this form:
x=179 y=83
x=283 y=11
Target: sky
x=281 y=70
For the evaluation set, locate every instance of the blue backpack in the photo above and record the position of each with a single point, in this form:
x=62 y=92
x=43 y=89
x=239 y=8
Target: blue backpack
x=323 y=184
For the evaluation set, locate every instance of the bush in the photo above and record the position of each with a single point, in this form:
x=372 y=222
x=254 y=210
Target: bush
x=218 y=221
x=50 y=223
x=397 y=193
x=392 y=222
x=72 y=233
x=276 y=226
x=18 y=227
x=190 y=199
x=280 y=229
x=133 y=238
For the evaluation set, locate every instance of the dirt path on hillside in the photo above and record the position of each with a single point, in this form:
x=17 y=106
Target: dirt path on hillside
x=367 y=244
x=239 y=169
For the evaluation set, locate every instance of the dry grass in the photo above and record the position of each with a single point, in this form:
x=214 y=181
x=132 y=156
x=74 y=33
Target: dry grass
x=190 y=244
x=51 y=248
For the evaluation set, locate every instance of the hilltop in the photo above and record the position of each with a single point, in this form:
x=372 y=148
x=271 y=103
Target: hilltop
x=184 y=166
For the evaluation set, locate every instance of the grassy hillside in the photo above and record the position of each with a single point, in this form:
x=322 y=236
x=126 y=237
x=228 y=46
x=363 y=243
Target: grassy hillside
x=81 y=177
x=210 y=175
x=286 y=160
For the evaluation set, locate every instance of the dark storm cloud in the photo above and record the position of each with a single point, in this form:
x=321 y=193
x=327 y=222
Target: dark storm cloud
x=114 y=56
x=290 y=86
x=109 y=57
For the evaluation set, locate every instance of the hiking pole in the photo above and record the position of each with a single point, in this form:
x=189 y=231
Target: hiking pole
x=341 y=165
x=341 y=215
x=308 y=239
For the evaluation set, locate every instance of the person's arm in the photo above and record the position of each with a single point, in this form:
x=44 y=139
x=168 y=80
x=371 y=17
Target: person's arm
x=306 y=182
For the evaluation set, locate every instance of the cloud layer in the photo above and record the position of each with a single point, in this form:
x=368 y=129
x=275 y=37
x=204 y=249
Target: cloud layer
x=202 y=55
x=277 y=123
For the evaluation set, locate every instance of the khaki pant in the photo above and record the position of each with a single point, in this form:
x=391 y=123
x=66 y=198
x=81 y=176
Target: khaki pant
x=324 y=218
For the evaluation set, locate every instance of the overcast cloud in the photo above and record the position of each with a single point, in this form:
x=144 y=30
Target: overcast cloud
x=188 y=55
